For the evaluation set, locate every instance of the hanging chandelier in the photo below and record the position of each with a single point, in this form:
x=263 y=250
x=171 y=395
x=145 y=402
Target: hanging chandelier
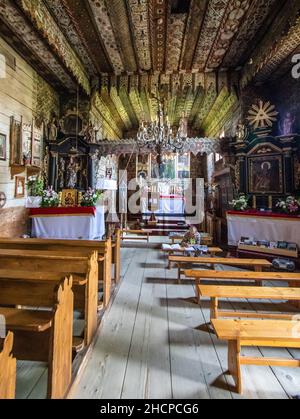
x=159 y=136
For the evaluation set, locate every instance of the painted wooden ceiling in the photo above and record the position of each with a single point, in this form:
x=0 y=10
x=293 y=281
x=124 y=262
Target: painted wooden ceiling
x=187 y=52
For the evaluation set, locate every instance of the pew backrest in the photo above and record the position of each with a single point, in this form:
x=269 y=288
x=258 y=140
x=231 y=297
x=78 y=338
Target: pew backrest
x=8 y=366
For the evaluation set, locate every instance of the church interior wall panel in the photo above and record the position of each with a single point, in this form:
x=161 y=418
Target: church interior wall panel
x=18 y=98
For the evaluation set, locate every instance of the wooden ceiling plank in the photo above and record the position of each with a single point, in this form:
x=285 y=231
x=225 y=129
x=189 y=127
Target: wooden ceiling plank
x=158 y=16
x=192 y=34
x=72 y=32
x=214 y=16
x=23 y=31
x=139 y=23
x=175 y=39
x=276 y=46
x=83 y=15
x=105 y=29
x=120 y=23
x=46 y=25
x=241 y=47
x=232 y=21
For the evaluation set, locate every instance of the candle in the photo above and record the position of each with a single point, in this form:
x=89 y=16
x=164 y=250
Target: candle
x=254 y=202
x=270 y=202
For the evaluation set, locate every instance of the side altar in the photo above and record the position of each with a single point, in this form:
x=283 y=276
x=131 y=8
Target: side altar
x=262 y=226
x=68 y=223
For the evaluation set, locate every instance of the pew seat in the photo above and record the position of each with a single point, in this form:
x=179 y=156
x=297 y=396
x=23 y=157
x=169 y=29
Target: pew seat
x=180 y=261
x=43 y=271
x=216 y=292
x=74 y=248
x=45 y=335
x=27 y=320
x=260 y=333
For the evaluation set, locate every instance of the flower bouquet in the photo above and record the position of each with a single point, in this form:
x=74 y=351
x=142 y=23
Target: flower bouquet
x=50 y=198
x=90 y=198
x=289 y=206
x=240 y=204
x=35 y=186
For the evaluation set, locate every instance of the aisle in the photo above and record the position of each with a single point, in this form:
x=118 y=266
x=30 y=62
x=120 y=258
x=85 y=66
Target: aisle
x=150 y=344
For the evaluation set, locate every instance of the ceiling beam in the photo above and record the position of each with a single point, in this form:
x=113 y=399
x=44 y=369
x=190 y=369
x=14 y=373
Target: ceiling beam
x=120 y=23
x=139 y=22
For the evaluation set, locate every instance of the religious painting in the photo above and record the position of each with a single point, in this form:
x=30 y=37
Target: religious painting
x=19 y=187
x=27 y=143
x=2 y=147
x=69 y=197
x=37 y=146
x=16 y=152
x=37 y=151
x=266 y=175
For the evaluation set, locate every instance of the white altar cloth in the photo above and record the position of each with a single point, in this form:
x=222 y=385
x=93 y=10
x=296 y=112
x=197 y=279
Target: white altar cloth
x=87 y=227
x=263 y=228
x=167 y=205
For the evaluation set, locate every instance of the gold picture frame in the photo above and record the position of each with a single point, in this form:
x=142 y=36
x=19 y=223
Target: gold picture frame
x=69 y=198
x=266 y=174
x=19 y=187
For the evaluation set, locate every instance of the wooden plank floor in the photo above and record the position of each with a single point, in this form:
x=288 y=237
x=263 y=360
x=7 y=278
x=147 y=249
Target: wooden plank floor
x=150 y=344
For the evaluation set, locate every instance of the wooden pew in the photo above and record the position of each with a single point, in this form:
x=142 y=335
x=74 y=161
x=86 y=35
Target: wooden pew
x=85 y=247
x=116 y=254
x=293 y=279
x=45 y=269
x=142 y=235
x=216 y=292
x=212 y=251
x=261 y=333
x=44 y=336
x=257 y=264
x=8 y=367
x=205 y=240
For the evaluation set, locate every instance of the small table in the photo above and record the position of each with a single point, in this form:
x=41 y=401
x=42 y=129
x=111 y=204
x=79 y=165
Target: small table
x=74 y=223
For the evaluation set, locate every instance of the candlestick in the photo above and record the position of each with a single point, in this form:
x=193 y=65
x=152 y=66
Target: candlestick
x=270 y=202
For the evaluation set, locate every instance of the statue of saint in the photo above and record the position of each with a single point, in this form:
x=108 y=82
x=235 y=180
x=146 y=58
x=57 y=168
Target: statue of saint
x=90 y=133
x=287 y=125
x=183 y=127
x=72 y=171
x=62 y=167
x=52 y=130
x=240 y=132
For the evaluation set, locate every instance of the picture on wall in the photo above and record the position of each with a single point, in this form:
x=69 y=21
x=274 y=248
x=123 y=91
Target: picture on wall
x=2 y=147
x=37 y=152
x=19 y=187
x=16 y=146
x=266 y=175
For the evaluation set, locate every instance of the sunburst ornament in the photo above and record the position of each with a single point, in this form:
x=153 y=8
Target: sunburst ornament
x=262 y=115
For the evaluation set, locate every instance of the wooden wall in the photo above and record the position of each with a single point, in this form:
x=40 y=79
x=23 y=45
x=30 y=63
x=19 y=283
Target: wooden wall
x=20 y=92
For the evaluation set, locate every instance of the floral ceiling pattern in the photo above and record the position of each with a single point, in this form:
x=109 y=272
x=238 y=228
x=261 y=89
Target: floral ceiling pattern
x=131 y=52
